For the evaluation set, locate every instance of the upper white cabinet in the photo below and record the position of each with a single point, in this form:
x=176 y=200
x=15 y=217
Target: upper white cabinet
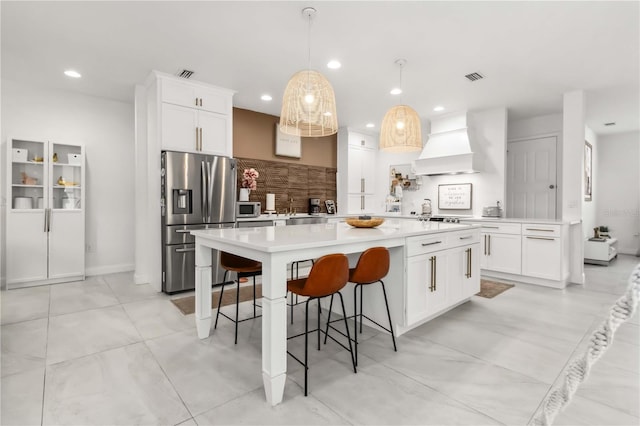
x=356 y=184
x=45 y=220
x=193 y=117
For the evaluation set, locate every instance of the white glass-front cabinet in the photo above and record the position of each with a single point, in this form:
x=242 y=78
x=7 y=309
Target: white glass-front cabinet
x=45 y=217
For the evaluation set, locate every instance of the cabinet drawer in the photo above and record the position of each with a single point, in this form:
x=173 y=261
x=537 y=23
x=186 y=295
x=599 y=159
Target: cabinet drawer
x=460 y=238
x=541 y=230
x=500 y=228
x=426 y=244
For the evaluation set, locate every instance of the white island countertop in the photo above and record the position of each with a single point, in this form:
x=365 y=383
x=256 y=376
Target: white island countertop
x=285 y=238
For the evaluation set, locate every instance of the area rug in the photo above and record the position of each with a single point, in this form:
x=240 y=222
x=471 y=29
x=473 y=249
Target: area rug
x=187 y=305
x=491 y=289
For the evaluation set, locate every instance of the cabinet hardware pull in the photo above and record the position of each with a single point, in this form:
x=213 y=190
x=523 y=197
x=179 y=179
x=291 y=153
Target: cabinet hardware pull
x=468 y=273
x=200 y=101
x=435 y=273
x=196 y=101
x=489 y=253
x=467 y=237
x=538 y=229
x=431 y=283
x=362 y=202
x=200 y=138
x=49 y=222
x=470 y=261
x=46 y=218
x=185 y=250
x=541 y=238
x=491 y=227
x=362 y=142
x=430 y=244
x=485 y=244
x=196 y=139
x=361 y=184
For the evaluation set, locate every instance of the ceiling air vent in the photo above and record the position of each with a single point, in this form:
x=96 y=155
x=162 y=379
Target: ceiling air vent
x=474 y=76
x=613 y=123
x=185 y=74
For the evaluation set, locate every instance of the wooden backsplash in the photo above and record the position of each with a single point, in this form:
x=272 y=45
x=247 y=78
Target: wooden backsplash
x=287 y=181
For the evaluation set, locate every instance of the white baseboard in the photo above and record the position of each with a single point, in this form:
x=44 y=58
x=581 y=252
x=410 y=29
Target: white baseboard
x=110 y=269
x=140 y=278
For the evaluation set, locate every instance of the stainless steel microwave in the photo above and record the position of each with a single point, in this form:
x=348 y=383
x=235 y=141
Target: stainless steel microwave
x=247 y=208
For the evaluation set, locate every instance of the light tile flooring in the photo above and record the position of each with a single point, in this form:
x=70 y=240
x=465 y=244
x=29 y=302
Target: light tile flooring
x=105 y=351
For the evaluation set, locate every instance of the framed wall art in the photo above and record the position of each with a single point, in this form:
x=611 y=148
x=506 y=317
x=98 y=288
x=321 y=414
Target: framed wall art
x=588 y=171
x=455 y=196
x=288 y=145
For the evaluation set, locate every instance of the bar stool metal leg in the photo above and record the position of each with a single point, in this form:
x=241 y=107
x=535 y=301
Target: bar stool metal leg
x=386 y=303
x=237 y=307
x=224 y=280
x=346 y=325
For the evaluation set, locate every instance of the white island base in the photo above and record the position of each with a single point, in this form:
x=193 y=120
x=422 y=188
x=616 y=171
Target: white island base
x=434 y=266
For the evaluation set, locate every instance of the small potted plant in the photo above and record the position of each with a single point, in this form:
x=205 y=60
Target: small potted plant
x=249 y=178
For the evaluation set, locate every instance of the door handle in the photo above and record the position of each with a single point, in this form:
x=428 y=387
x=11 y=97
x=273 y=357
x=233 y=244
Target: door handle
x=551 y=186
x=185 y=250
x=203 y=191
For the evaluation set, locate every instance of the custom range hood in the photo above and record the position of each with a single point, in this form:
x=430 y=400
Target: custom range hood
x=448 y=150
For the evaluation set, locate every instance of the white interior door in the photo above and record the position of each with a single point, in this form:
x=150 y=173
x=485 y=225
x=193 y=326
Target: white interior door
x=531 y=178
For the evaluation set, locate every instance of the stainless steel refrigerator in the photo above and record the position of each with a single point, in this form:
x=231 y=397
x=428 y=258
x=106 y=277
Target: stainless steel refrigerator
x=198 y=192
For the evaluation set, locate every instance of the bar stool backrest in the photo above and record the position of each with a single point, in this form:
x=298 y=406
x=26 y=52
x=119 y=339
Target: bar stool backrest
x=238 y=263
x=373 y=265
x=329 y=274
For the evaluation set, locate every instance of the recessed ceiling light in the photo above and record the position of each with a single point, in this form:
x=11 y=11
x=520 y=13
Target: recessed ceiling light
x=266 y=98
x=334 y=65
x=72 y=73
x=438 y=108
x=370 y=125
x=396 y=91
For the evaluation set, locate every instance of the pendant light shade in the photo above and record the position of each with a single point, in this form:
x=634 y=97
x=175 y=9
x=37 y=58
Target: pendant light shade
x=309 y=103
x=400 y=131
x=309 y=106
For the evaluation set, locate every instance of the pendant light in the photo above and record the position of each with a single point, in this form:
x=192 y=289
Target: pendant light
x=309 y=103
x=400 y=130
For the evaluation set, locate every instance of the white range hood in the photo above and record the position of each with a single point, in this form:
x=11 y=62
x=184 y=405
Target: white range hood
x=448 y=150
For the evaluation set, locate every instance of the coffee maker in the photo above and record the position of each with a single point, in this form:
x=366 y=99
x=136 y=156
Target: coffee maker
x=314 y=205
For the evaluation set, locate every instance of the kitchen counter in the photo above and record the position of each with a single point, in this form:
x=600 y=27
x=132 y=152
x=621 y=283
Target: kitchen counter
x=276 y=246
x=519 y=220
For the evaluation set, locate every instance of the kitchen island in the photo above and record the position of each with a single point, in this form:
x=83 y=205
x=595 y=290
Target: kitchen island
x=434 y=267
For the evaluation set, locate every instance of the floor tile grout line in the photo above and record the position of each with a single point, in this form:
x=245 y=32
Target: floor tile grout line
x=413 y=379
x=46 y=352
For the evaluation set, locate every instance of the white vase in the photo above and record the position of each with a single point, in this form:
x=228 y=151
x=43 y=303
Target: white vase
x=244 y=194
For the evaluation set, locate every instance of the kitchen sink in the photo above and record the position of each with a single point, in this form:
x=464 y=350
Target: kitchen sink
x=306 y=220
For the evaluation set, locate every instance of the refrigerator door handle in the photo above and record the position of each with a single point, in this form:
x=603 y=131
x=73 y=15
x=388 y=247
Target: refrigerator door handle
x=209 y=192
x=203 y=192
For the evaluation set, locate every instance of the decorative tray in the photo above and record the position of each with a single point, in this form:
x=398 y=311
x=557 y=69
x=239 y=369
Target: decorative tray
x=364 y=223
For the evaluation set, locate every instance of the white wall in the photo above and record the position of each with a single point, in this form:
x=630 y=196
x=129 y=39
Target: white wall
x=488 y=134
x=535 y=126
x=106 y=127
x=589 y=208
x=618 y=202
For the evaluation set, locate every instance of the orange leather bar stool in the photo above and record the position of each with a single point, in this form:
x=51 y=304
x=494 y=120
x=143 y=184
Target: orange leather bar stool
x=372 y=267
x=243 y=267
x=328 y=275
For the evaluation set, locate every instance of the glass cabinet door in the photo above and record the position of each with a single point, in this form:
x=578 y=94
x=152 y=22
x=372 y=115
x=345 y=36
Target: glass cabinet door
x=66 y=177
x=28 y=176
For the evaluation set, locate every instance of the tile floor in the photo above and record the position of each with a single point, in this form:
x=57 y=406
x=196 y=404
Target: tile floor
x=105 y=351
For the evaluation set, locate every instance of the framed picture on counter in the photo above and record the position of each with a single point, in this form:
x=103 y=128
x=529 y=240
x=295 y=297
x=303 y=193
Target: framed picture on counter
x=455 y=196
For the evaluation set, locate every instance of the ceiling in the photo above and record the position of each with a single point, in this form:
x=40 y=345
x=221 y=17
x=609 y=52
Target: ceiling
x=529 y=52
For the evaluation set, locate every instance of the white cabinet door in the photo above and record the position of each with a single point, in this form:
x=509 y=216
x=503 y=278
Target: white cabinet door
x=368 y=170
x=66 y=244
x=363 y=140
x=354 y=181
x=504 y=253
x=360 y=204
x=26 y=247
x=542 y=257
x=179 y=128
x=427 y=282
x=196 y=96
x=215 y=128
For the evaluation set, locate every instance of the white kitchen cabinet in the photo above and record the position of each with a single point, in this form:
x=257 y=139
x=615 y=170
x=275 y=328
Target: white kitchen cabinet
x=45 y=221
x=192 y=130
x=194 y=117
x=542 y=251
x=501 y=247
x=195 y=95
x=356 y=179
x=442 y=271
